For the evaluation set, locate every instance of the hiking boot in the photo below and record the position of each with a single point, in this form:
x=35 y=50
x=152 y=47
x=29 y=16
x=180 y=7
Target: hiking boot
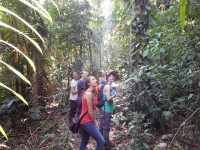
x=109 y=145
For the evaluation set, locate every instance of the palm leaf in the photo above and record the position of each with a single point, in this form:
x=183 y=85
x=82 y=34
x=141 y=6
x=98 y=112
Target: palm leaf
x=26 y=23
x=42 y=8
x=3 y=132
x=12 y=28
x=36 y=9
x=28 y=59
x=18 y=95
x=55 y=6
x=16 y=72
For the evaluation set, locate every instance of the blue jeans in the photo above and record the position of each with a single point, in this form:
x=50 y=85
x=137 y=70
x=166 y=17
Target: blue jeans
x=89 y=129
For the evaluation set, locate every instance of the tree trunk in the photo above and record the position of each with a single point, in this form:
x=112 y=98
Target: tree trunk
x=41 y=83
x=90 y=51
x=140 y=23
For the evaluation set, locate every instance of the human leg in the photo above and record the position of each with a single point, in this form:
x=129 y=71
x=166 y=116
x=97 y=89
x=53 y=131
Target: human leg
x=85 y=138
x=92 y=130
x=73 y=107
x=105 y=125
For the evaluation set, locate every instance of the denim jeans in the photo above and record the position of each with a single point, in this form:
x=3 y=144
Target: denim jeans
x=89 y=129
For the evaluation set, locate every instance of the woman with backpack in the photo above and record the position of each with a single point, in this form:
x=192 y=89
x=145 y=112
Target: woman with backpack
x=89 y=124
x=102 y=79
x=107 y=109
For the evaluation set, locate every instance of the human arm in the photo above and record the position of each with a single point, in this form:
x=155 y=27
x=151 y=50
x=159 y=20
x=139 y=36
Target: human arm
x=108 y=96
x=89 y=98
x=73 y=87
x=100 y=80
x=73 y=90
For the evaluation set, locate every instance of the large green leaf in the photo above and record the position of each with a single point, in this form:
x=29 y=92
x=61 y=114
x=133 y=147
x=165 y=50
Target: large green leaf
x=29 y=60
x=12 y=28
x=42 y=8
x=182 y=12
x=18 y=95
x=3 y=132
x=55 y=6
x=16 y=72
x=26 y=23
x=36 y=9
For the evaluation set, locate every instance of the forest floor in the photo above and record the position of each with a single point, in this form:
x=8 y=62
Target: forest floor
x=53 y=133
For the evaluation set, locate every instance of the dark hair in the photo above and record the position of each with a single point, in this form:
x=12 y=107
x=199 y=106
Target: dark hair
x=87 y=80
x=72 y=74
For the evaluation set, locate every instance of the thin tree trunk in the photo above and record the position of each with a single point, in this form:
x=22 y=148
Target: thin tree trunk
x=90 y=53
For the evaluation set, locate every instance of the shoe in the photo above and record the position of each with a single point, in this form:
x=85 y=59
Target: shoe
x=109 y=145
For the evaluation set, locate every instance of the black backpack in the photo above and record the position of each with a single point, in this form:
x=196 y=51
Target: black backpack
x=75 y=123
x=100 y=100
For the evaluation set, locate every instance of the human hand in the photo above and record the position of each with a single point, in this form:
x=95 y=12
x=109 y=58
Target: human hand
x=96 y=124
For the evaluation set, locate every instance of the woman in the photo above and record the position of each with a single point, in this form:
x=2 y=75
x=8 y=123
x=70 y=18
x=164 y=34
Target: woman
x=102 y=79
x=80 y=87
x=107 y=109
x=73 y=95
x=88 y=123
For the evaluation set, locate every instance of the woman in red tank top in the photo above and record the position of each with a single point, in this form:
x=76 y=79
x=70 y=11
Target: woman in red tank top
x=88 y=123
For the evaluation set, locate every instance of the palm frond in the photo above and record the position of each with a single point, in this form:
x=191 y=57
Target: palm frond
x=31 y=40
x=28 y=59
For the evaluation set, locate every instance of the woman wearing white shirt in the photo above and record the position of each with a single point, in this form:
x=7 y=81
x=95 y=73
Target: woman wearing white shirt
x=73 y=95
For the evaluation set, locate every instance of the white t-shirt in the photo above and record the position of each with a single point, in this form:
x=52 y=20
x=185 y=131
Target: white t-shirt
x=74 y=84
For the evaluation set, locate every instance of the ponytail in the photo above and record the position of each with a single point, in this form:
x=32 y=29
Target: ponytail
x=87 y=80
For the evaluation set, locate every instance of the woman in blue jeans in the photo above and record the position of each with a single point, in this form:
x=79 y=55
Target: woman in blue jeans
x=89 y=124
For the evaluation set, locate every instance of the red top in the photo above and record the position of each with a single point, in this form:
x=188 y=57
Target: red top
x=87 y=118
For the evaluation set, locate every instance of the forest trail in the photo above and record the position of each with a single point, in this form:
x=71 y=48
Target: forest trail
x=54 y=131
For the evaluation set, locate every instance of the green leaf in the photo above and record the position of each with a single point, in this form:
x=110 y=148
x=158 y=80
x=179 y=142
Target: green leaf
x=55 y=6
x=29 y=60
x=32 y=41
x=42 y=8
x=16 y=72
x=36 y=9
x=26 y=23
x=146 y=145
x=18 y=95
x=161 y=145
x=199 y=84
x=3 y=132
x=182 y=12
x=183 y=123
x=145 y=53
x=148 y=7
x=190 y=96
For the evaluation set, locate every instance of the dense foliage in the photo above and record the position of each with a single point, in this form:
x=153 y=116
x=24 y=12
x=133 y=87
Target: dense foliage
x=163 y=87
x=153 y=44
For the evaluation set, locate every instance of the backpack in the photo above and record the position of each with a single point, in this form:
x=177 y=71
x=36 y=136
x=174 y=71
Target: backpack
x=100 y=100
x=75 y=123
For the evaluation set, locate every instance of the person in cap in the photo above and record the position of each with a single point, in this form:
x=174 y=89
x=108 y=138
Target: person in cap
x=107 y=109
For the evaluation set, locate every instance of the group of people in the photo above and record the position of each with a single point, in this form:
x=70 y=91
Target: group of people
x=82 y=100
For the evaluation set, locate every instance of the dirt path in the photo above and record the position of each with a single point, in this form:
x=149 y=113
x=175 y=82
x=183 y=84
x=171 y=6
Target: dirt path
x=52 y=133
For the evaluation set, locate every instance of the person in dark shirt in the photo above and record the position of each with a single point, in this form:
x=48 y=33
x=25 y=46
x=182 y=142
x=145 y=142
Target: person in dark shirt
x=80 y=87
